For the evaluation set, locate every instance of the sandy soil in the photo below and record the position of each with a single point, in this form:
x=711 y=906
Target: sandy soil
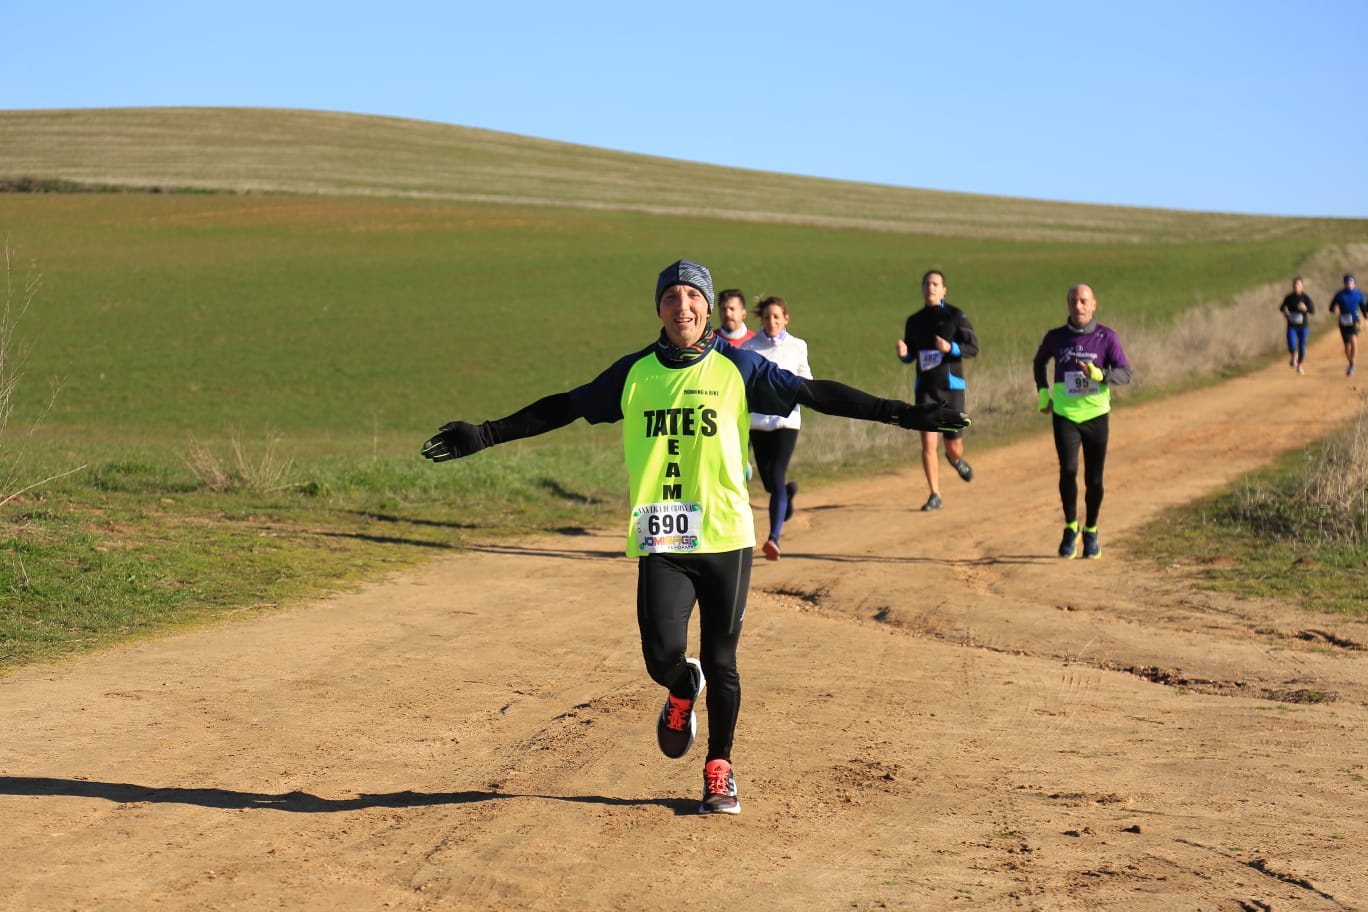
x=938 y=714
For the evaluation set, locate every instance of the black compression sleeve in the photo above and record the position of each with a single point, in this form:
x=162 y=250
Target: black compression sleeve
x=547 y=414
x=831 y=397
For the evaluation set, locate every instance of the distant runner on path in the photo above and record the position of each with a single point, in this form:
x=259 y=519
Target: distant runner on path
x=1088 y=361
x=1297 y=309
x=937 y=338
x=685 y=402
x=1348 y=303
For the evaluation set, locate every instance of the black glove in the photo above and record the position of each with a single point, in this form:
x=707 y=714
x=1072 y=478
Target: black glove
x=456 y=439
x=931 y=417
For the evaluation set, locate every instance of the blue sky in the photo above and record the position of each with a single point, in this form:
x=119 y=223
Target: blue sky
x=1252 y=107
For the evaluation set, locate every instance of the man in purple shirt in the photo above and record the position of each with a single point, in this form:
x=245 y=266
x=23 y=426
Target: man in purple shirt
x=1088 y=361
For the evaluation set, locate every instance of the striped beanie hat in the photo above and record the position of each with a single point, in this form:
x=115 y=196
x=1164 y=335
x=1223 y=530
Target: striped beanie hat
x=685 y=272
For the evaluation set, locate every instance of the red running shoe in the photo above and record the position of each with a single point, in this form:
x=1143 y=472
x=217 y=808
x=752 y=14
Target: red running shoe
x=719 y=789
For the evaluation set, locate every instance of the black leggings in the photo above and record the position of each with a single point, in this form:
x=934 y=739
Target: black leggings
x=1092 y=436
x=668 y=585
x=773 y=450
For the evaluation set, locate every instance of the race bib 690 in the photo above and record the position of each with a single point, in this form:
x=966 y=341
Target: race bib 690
x=668 y=527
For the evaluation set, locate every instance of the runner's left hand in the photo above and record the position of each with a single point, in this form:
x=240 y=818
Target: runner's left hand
x=931 y=417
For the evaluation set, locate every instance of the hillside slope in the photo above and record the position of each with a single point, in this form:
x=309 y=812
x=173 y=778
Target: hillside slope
x=290 y=151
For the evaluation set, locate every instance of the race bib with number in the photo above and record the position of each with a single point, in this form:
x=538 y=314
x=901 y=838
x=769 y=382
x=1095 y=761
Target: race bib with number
x=1296 y=318
x=668 y=527
x=929 y=359
x=1078 y=383
x=1346 y=319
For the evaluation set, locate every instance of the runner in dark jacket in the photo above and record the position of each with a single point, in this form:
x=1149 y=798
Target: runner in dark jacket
x=937 y=339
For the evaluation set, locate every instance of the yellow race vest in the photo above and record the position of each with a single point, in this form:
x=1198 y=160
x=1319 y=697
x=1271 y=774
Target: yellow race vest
x=685 y=433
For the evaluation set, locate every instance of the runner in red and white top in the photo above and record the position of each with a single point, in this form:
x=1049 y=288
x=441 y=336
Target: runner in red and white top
x=732 y=304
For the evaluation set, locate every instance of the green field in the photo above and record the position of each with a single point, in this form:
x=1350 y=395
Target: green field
x=332 y=321
x=246 y=375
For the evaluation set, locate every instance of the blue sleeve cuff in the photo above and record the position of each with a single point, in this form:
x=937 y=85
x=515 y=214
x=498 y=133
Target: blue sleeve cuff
x=954 y=349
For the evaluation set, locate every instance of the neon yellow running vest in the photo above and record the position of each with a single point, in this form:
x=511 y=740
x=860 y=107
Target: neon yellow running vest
x=685 y=432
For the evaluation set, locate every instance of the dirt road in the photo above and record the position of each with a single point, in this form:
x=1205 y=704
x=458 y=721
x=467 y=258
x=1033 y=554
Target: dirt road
x=938 y=714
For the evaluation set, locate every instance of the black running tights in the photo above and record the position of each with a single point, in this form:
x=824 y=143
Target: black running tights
x=1069 y=436
x=668 y=585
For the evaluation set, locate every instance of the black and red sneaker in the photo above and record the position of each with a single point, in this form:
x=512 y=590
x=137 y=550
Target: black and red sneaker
x=719 y=789
x=678 y=722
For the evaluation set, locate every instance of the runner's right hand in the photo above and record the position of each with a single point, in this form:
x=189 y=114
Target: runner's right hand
x=454 y=440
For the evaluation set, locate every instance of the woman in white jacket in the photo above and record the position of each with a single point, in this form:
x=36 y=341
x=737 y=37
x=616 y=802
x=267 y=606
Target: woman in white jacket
x=774 y=437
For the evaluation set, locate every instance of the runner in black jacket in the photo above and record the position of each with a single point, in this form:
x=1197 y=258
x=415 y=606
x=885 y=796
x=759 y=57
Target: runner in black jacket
x=937 y=339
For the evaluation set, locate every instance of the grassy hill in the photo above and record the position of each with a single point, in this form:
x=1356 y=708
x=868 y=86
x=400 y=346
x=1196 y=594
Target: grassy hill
x=248 y=358
x=246 y=150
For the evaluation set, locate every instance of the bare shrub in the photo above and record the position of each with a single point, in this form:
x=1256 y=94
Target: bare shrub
x=265 y=472
x=1325 y=500
x=207 y=467
x=1335 y=486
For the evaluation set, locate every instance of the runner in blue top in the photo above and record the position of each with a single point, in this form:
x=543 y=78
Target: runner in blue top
x=1297 y=309
x=1348 y=303
x=1088 y=361
x=685 y=403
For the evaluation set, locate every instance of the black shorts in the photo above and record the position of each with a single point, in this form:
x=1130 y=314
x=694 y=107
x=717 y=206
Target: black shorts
x=1347 y=333
x=951 y=398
